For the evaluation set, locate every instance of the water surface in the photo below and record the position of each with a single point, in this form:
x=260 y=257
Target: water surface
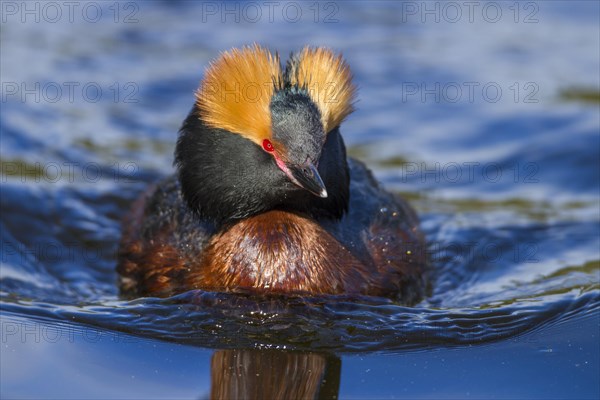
x=507 y=187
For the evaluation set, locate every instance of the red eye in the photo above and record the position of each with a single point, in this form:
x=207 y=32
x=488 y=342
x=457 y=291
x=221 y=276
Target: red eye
x=268 y=146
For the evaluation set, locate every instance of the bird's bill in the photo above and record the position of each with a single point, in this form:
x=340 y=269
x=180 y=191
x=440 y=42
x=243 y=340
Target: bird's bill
x=307 y=177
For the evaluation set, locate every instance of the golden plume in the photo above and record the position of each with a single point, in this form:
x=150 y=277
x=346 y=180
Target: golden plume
x=328 y=79
x=236 y=92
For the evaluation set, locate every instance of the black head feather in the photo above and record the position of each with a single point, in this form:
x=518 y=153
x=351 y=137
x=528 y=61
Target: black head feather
x=226 y=177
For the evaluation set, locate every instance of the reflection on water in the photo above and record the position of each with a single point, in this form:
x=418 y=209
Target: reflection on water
x=256 y=374
x=559 y=361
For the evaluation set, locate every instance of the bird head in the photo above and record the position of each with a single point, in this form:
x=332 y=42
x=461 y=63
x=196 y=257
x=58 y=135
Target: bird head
x=277 y=128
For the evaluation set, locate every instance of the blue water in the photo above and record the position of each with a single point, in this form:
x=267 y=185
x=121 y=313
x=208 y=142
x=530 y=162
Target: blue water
x=489 y=126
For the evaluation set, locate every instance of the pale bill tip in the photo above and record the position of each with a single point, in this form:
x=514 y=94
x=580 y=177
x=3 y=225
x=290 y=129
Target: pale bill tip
x=323 y=193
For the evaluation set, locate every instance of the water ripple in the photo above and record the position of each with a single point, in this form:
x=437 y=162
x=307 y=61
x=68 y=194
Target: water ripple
x=334 y=323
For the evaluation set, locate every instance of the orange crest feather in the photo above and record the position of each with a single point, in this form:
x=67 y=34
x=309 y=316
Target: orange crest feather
x=328 y=79
x=237 y=89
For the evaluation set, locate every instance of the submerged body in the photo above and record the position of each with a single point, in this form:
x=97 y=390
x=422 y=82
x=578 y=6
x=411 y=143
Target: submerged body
x=294 y=216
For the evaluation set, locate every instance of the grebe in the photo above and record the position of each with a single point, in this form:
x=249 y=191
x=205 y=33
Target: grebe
x=265 y=199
